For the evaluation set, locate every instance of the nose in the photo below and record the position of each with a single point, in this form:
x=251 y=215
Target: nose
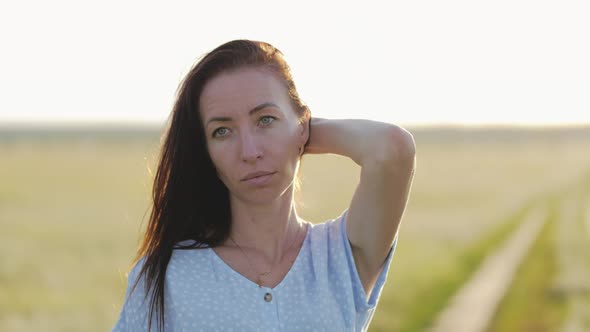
x=251 y=147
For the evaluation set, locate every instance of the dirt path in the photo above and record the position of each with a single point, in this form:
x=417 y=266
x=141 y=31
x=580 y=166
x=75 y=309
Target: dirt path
x=472 y=308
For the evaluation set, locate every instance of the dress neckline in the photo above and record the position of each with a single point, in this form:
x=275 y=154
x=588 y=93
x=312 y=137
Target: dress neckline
x=239 y=276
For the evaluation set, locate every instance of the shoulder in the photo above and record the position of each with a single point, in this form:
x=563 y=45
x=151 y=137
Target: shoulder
x=186 y=256
x=134 y=273
x=328 y=238
x=330 y=229
x=185 y=252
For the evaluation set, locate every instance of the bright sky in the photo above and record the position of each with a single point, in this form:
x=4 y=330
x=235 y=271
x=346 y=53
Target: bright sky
x=406 y=62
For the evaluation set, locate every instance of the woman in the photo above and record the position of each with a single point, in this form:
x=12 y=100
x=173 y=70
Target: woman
x=224 y=248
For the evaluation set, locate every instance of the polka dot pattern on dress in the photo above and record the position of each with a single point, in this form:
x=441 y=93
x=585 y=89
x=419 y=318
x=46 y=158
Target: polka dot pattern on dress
x=321 y=292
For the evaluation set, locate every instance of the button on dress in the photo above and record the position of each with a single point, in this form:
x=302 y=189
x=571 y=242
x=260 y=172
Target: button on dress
x=321 y=292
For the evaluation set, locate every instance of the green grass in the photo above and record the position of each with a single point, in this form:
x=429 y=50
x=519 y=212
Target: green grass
x=71 y=214
x=532 y=304
x=451 y=269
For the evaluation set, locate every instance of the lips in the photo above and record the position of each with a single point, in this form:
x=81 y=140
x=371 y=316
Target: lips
x=256 y=174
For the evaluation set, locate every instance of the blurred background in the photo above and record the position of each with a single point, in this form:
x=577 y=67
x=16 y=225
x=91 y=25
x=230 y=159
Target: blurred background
x=495 y=94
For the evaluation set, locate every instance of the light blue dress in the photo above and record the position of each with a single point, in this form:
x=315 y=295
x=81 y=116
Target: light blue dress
x=321 y=292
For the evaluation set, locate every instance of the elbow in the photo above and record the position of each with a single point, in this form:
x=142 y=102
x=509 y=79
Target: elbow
x=406 y=144
x=398 y=146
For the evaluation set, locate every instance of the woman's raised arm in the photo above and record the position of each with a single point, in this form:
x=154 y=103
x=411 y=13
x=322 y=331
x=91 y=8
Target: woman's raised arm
x=386 y=154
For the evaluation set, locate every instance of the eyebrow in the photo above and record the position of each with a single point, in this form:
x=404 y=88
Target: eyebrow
x=252 y=111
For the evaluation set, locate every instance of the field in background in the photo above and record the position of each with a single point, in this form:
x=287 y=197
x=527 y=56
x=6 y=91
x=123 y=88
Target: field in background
x=72 y=207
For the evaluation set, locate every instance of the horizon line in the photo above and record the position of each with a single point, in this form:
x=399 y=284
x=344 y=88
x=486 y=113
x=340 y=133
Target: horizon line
x=153 y=124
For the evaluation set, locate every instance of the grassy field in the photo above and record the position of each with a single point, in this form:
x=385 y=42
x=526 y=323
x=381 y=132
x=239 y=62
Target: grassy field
x=551 y=291
x=529 y=305
x=72 y=208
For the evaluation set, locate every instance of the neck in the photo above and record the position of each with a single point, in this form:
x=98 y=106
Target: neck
x=269 y=229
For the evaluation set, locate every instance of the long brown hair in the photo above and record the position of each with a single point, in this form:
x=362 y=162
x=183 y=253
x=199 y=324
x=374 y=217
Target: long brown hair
x=189 y=200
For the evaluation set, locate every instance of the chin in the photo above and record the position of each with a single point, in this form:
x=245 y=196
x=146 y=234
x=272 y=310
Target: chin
x=258 y=198
x=264 y=195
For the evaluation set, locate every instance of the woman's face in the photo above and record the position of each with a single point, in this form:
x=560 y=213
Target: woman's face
x=251 y=126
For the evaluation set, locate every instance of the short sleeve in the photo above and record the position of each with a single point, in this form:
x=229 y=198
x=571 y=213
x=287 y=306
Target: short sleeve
x=133 y=316
x=362 y=304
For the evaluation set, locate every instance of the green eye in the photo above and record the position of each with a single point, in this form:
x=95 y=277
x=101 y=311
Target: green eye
x=271 y=119
x=264 y=120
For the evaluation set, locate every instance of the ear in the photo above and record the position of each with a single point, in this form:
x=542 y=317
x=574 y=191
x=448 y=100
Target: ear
x=304 y=131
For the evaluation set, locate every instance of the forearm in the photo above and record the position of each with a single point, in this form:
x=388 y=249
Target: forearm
x=363 y=141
